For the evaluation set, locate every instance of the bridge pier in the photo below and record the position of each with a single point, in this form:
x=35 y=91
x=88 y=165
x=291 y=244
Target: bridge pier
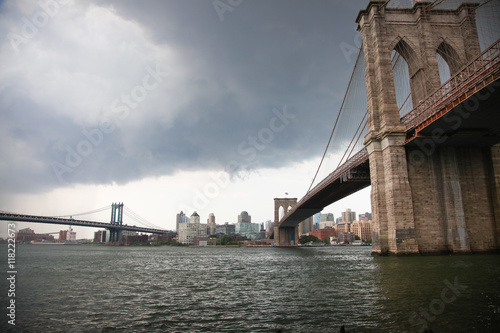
x=115 y=235
x=286 y=236
x=455 y=198
x=392 y=208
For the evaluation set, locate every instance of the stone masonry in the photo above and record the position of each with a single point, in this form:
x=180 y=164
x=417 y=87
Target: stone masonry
x=283 y=235
x=449 y=200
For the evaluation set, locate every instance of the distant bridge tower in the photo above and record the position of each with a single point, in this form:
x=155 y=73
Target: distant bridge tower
x=117 y=213
x=284 y=235
x=448 y=199
x=115 y=234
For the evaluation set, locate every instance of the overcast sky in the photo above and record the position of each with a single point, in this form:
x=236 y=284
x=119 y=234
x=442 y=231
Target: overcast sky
x=213 y=106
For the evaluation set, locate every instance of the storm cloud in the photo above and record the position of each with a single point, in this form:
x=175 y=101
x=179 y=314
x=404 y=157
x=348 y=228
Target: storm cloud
x=114 y=91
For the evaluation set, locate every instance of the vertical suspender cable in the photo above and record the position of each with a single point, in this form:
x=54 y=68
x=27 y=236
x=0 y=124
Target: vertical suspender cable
x=338 y=117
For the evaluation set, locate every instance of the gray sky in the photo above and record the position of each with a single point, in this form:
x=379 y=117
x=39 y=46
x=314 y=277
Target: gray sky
x=217 y=106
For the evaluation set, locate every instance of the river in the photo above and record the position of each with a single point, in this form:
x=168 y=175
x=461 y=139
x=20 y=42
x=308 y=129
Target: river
x=180 y=289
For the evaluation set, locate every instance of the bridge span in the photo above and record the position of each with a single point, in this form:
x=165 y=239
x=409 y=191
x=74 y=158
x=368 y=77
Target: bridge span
x=116 y=226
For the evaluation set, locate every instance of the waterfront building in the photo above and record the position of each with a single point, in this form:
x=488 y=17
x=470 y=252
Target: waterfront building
x=226 y=228
x=205 y=241
x=27 y=235
x=100 y=236
x=348 y=216
x=247 y=229
x=343 y=228
x=346 y=237
x=188 y=231
x=362 y=229
x=180 y=218
x=63 y=235
x=324 y=233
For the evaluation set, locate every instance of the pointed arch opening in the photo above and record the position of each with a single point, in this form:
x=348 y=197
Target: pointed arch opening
x=444 y=69
x=281 y=212
x=448 y=61
x=401 y=76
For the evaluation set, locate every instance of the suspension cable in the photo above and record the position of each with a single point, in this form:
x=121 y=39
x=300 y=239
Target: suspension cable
x=337 y=120
x=86 y=213
x=352 y=140
x=134 y=216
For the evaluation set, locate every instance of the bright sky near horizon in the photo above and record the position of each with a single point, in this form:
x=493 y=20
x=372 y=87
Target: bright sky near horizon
x=214 y=106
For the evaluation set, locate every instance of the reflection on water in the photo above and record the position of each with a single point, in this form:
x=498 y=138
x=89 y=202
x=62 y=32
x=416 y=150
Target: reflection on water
x=168 y=289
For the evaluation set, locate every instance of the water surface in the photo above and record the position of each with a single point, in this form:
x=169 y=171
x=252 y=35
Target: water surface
x=179 y=289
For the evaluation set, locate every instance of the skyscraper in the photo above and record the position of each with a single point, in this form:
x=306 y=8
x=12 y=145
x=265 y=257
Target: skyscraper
x=306 y=226
x=348 y=216
x=211 y=226
x=188 y=231
x=327 y=217
x=181 y=218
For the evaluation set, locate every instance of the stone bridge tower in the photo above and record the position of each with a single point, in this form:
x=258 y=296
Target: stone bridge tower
x=432 y=205
x=284 y=236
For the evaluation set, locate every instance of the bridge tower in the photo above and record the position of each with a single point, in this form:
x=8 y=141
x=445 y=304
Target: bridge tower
x=284 y=235
x=115 y=234
x=447 y=200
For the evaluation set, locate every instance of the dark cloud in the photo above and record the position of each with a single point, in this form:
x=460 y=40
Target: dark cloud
x=228 y=82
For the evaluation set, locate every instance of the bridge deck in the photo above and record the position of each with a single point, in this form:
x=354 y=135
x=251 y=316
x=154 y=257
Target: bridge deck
x=81 y=223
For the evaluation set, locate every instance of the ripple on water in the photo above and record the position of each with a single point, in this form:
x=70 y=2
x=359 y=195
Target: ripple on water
x=166 y=289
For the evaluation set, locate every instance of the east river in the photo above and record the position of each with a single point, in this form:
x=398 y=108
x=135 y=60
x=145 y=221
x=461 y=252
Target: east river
x=179 y=289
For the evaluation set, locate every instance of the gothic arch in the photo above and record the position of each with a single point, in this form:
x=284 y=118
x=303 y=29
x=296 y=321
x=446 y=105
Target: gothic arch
x=448 y=53
x=407 y=51
x=283 y=205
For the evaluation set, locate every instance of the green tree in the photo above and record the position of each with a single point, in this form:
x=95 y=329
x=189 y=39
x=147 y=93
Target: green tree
x=326 y=240
x=357 y=237
x=225 y=239
x=306 y=239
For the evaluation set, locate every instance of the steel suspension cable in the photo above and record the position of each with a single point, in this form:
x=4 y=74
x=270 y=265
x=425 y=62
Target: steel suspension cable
x=139 y=219
x=337 y=120
x=352 y=140
x=86 y=213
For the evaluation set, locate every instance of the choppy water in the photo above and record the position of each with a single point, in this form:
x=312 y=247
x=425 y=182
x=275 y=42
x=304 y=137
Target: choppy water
x=171 y=289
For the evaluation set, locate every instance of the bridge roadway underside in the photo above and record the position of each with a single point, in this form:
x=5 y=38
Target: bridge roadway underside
x=354 y=180
x=474 y=122
x=453 y=162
